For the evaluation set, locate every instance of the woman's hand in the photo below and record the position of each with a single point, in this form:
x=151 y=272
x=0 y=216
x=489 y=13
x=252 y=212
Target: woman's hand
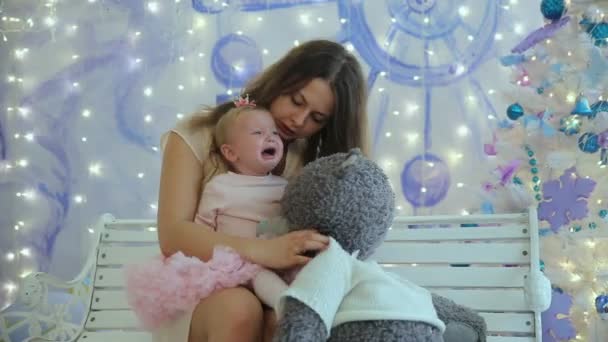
x=287 y=251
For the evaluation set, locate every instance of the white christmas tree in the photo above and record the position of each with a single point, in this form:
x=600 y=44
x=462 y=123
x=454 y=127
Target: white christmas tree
x=551 y=150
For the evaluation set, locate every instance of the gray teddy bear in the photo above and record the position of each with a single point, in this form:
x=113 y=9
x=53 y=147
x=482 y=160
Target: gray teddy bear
x=339 y=296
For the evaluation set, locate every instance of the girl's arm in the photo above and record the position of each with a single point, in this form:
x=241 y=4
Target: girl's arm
x=180 y=188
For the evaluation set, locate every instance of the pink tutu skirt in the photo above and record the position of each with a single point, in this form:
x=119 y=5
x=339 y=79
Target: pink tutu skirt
x=161 y=289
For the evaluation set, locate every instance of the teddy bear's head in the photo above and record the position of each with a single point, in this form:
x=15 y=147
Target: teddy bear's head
x=345 y=196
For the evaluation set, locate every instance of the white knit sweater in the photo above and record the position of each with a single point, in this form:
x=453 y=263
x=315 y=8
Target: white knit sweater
x=341 y=288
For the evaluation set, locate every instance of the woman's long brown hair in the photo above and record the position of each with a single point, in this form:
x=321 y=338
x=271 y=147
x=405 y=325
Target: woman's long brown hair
x=347 y=126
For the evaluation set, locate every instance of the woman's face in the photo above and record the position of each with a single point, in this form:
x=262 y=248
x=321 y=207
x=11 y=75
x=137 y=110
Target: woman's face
x=304 y=112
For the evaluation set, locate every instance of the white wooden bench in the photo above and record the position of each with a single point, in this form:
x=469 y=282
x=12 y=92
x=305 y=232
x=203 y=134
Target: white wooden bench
x=480 y=261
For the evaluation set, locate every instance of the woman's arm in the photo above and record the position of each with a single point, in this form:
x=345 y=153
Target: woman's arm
x=180 y=188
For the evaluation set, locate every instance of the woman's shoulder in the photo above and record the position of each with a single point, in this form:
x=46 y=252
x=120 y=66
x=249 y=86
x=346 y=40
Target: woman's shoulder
x=196 y=136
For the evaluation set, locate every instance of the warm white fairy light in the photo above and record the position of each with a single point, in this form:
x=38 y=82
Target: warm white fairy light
x=498 y=36
x=78 y=199
x=463 y=131
x=459 y=184
x=50 y=21
x=86 y=113
x=153 y=7
x=10 y=256
x=140 y=175
x=23 y=111
x=21 y=53
x=388 y=134
x=518 y=28
x=10 y=287
x=148 y=91
x=95 y=169
x=29 y=194
x=571 y=97
x=470 y=38
x=25 y=252
x=305 y=19
x=411 y=137
x=464 y=11
x=22 y=162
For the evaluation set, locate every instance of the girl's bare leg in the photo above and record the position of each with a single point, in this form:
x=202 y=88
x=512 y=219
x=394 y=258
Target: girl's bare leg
x=230 y=315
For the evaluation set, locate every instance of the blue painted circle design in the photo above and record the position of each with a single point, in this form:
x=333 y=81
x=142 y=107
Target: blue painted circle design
x=444 y=26
x=236 y=59
x=415 y=25
x=420 y=6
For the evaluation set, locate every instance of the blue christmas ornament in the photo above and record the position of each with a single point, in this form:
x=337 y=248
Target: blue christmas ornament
x=515 y=111
x=589 y=142
x=601 y=306
x=553 y=9
x=570 y=125
x=599 y=107
x=581 y=107
x=599 y=33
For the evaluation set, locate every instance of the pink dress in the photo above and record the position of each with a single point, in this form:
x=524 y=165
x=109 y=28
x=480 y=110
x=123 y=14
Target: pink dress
x=234 y=204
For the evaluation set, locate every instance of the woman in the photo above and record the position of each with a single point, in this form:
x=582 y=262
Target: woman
x=316 y=95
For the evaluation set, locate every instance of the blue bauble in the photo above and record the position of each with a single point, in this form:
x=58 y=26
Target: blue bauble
x=589 y=142
x=553 y=9
x=601 y=305
x=425 y=180
x=599 y=33
x=515 y=111
x=570 y=124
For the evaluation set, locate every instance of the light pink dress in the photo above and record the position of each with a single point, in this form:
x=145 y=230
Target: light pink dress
x=234 y=204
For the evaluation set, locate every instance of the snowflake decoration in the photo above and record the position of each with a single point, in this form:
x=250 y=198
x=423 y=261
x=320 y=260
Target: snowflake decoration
x=565 y=199
x=556 y=324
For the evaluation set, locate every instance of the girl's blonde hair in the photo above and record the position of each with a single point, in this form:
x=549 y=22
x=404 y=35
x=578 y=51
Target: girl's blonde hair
x=226 y=121
x=347 y=126
x=221 y=135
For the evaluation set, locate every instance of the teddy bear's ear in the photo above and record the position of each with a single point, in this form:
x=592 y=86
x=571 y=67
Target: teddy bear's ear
x=351 y=159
